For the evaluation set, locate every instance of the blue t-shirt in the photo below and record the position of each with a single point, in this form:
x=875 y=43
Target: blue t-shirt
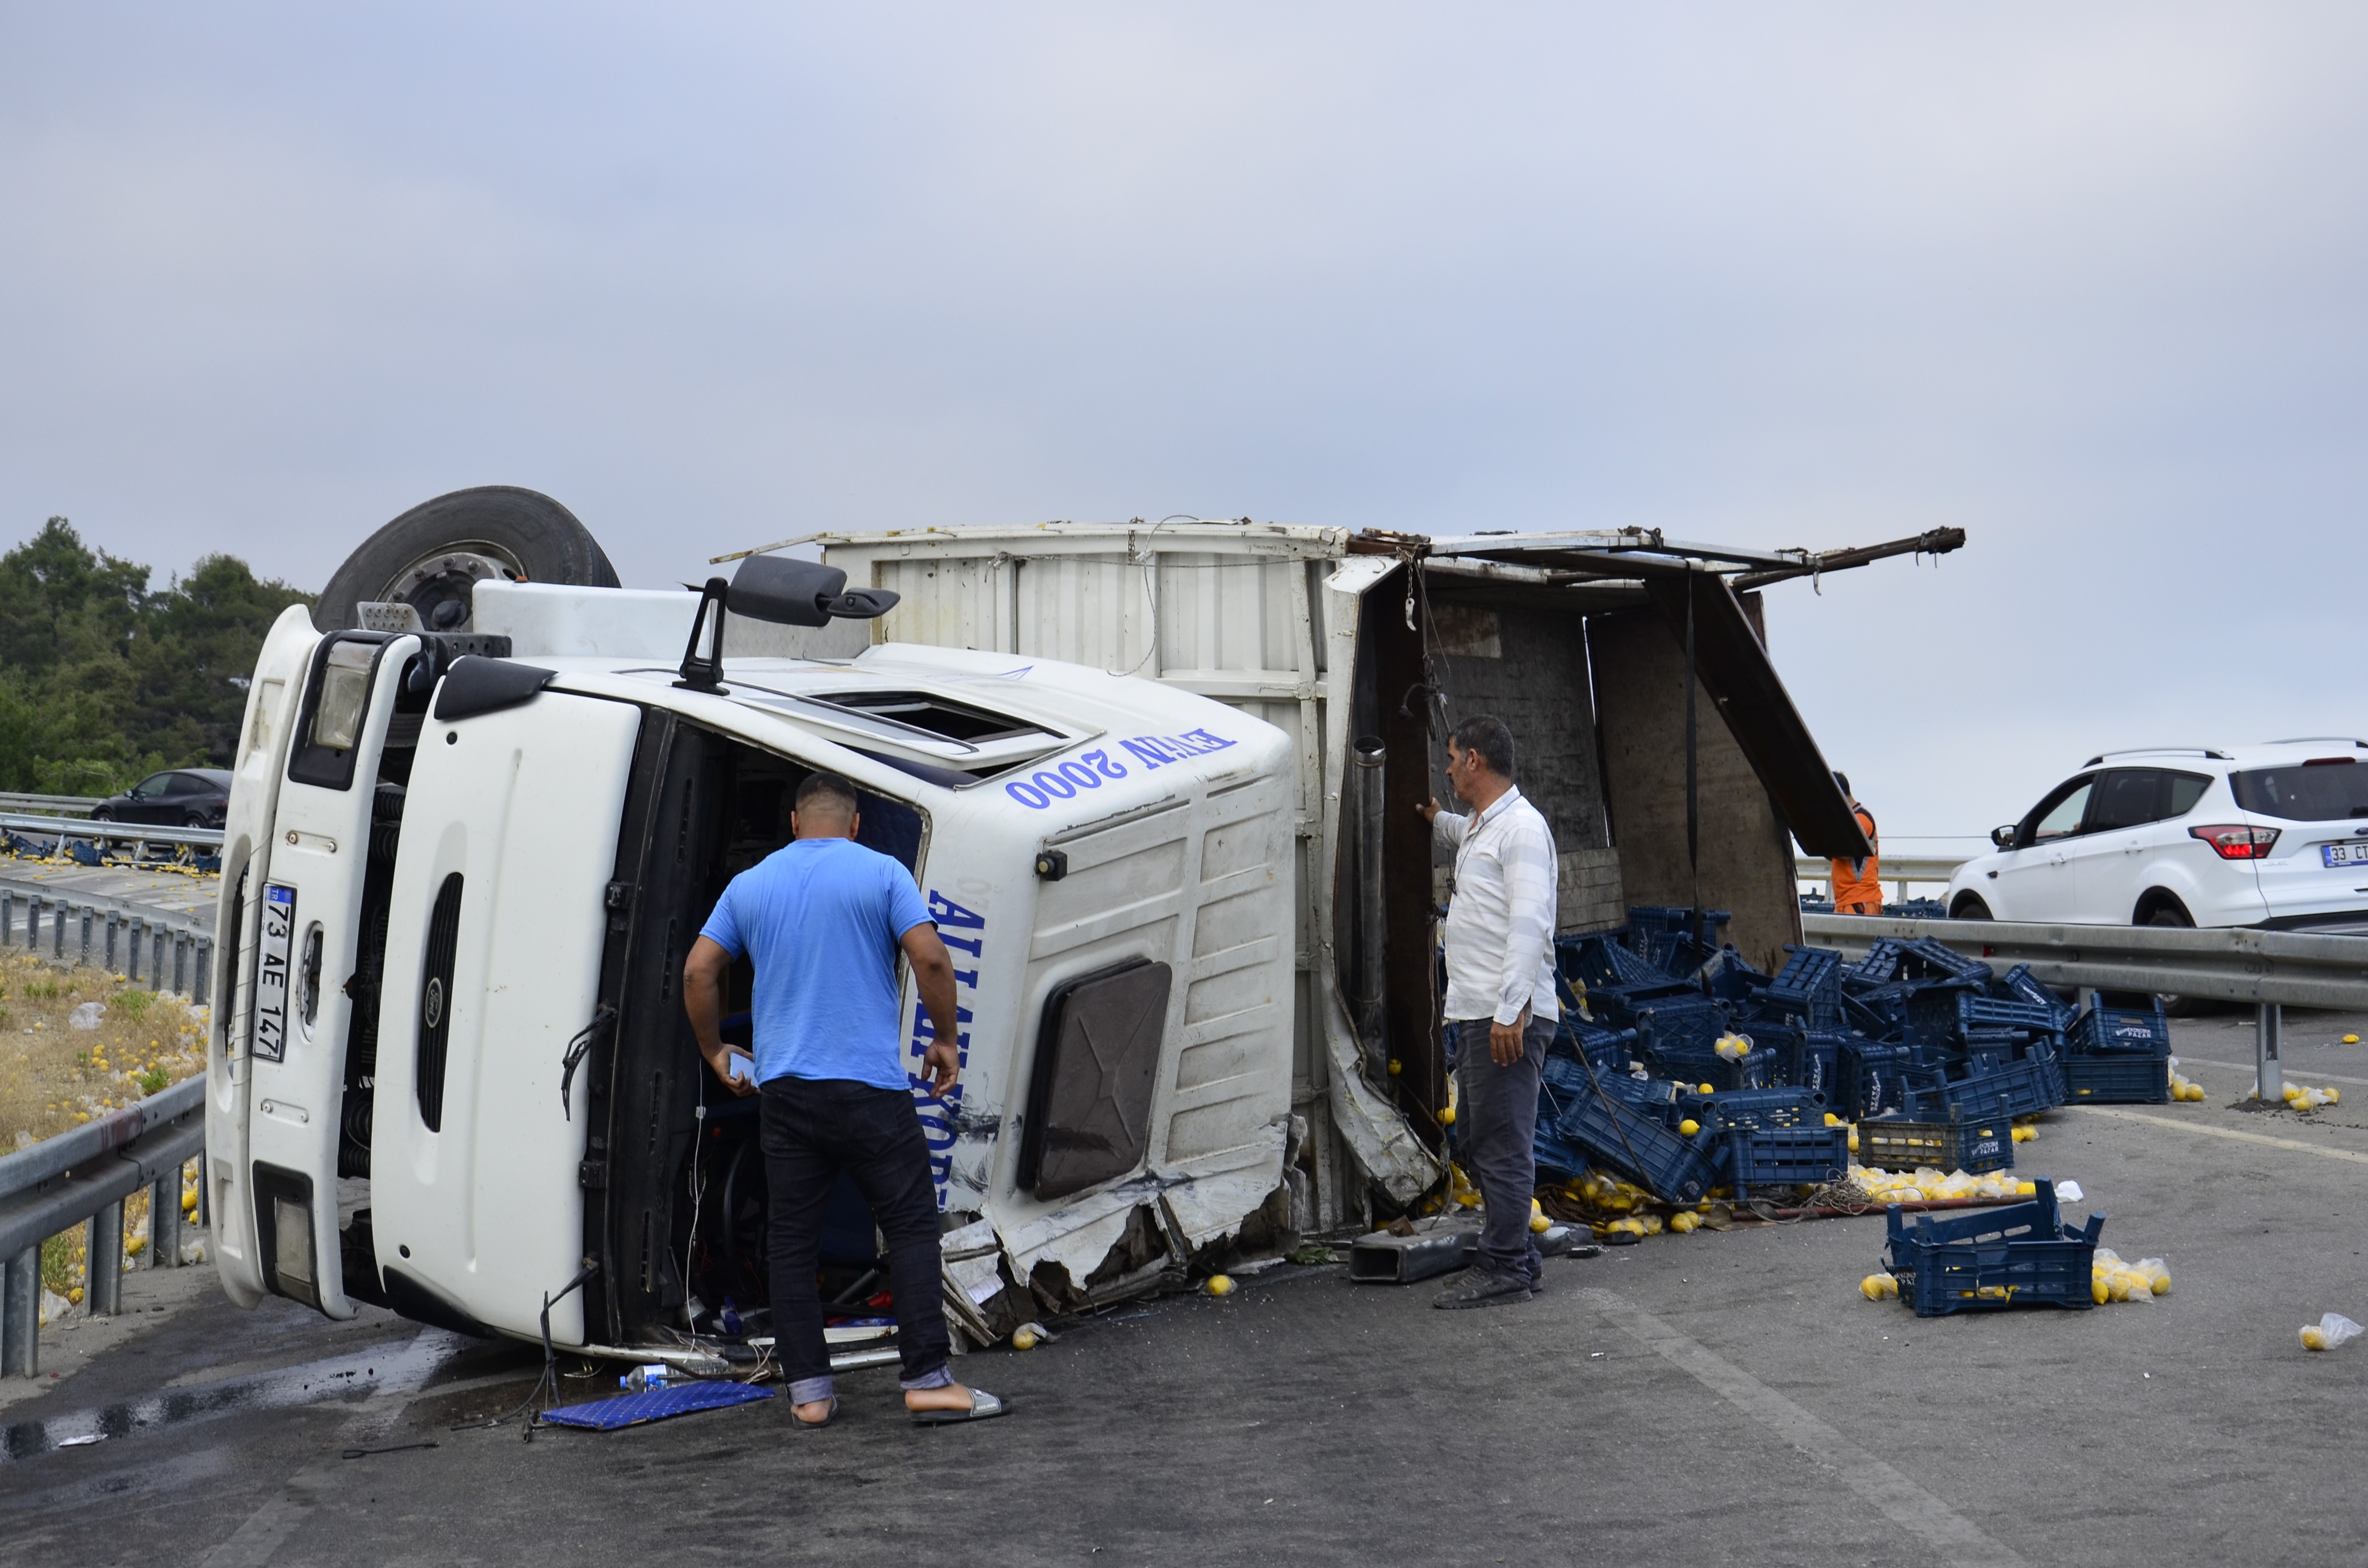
x=821 y=919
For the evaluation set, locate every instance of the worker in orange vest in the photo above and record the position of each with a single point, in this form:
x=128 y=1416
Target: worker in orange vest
x=1858 y=885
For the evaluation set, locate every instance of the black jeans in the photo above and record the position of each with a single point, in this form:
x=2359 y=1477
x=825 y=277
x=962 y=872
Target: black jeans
x=810 y=1129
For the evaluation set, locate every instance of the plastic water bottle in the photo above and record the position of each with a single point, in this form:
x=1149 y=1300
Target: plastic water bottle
x=644 y=1378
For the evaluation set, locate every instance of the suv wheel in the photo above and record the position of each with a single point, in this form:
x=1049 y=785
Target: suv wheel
x=2169 y=916
x=1969 y=906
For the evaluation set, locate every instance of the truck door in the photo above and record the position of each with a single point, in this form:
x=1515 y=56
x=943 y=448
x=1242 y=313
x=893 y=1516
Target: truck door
x=492 y=966
x=302 y=920
x=276 y=689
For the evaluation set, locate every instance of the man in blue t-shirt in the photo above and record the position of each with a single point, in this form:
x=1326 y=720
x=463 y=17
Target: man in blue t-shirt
x=822 y=920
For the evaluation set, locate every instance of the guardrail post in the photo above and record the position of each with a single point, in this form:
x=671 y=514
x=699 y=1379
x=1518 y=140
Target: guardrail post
x=33 y=925
x=88 y=913
x=20 y=1316
x=2269 y=1032
x=163 y=1216
x=180 y=961
x=8 y=919
x=102 y=1280
x=138 y=929
x=204 y=961
x=59 y=914
x=157 y=955
x=114 y=919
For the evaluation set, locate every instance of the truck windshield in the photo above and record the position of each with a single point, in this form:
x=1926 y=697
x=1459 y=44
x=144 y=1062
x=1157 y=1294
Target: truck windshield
x=2332 y=790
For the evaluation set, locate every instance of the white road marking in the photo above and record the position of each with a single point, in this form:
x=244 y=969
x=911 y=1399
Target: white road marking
x=2291 y=1069
x=2295 y=1143
x=256 y=1542
x=1954 y=1537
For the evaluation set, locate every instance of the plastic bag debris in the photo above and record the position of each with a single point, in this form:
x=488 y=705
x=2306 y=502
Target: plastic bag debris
x=2302 y=1098
x=2111 y=1279
x=87 y=1016
x=2330 y=1332
x=1879 y=1288
x=2069 y=1192
x=1732 y=1048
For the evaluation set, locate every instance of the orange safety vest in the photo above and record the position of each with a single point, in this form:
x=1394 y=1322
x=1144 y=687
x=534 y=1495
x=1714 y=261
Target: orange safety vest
x=1859 y=882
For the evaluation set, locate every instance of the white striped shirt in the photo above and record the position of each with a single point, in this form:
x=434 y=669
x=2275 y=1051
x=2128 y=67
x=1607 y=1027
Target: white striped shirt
x=1500 y=922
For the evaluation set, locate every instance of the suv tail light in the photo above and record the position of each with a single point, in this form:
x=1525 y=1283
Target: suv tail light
x=2237 y=841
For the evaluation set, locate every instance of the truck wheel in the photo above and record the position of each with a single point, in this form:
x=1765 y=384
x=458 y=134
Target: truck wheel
x=433 y=556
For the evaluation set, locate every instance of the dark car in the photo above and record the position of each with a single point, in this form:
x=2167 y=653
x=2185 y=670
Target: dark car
x=185 y=797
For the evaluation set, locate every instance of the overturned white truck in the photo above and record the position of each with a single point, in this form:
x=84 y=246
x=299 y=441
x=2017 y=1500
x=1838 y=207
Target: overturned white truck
x=484 y=799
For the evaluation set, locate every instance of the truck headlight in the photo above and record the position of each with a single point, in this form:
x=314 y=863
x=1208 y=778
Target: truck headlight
x=345 y=696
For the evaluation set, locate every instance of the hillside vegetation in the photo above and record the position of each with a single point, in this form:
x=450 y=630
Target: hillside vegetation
x=103 y=679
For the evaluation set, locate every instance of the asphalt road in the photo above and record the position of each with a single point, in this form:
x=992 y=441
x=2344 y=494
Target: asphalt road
x=1712 y=1398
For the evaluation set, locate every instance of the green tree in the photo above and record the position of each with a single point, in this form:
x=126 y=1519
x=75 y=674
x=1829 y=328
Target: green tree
x=102 y=680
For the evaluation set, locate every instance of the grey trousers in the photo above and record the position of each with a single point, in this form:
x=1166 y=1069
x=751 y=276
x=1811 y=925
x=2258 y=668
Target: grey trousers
x=1495 y=1130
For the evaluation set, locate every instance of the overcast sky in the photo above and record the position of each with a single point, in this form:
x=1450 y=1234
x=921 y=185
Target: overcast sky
x=2084 y=281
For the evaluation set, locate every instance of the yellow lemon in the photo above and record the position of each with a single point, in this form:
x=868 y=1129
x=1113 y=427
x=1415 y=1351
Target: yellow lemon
x=1539 y=1222
x=2161 y=1283
x=1447 y=1116
x=2351 y=1039
x=188 y=1201
x=1023 y=1340
x=2026 y=1189
x=1832 y=1120
x=1220 y=1284
x=1853 y=1141
x=74 y=1295
x=1396 y=1066
x=1870 y=1287
x=1708 y=1090
x=1690 y=1127
x=2097 y=1289
x=2334 y=1096
x=2314 y=1337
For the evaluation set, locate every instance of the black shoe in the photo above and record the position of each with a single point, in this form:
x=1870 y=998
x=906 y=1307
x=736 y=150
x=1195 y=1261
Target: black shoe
x=1538 y=1283
x=1479 y=1287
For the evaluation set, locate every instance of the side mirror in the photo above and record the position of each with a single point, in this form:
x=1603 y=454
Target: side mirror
x=801 y=592
x=2004 y=836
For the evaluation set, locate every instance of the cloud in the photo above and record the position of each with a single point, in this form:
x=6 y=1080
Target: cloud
x=2079 y=282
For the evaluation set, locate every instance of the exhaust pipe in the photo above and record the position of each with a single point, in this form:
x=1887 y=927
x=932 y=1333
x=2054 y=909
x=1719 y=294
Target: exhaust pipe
x=1372 y=914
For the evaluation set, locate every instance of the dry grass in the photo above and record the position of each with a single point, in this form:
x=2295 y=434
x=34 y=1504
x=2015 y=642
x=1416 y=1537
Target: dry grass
x=54 y=1076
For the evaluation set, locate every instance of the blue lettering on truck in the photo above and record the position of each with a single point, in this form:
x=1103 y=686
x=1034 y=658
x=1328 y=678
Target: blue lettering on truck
x=1088 y=770
x=964 y=931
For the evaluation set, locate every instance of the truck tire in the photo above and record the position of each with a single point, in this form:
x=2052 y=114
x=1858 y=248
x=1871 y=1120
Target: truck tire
x=433 y=556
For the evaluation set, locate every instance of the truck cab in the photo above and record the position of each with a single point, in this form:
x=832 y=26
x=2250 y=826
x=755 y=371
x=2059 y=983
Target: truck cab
x=451 y=1068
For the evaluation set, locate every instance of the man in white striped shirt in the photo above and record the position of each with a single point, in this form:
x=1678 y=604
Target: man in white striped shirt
x=1500 y=1000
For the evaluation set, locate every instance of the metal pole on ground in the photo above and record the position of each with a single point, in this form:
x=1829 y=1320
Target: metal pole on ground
x=102 y=1290
x=20 y=1315
x=2269 y=1031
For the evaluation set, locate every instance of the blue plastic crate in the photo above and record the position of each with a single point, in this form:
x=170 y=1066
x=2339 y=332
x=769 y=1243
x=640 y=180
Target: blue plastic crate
x=2020 y=1088
x=2019 y=1256
x=1678 y=1025
x=1812 y=1061
x=1929 y=957
x=1899 y=1144
x=1724 y=1109
x=1696 y=1068
x=1624 y=1138
x=1809 y=986
x=1601 y=961
x=2020 y=984
x=1784 y=1157
x=1872 y=1078
x=1880 y=963
x=2101 y=1030
x=2119 y=1078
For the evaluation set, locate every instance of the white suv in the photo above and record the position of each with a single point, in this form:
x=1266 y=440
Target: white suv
x=2273 y=836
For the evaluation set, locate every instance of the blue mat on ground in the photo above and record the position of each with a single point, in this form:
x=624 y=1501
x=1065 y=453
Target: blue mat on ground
x=657 y=1404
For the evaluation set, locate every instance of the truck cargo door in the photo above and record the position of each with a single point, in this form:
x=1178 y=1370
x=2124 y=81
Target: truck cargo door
x=302 y=920
x=492 y=966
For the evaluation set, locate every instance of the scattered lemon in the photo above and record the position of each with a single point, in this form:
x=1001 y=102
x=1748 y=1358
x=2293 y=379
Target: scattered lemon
x=1220 y=1284
x=1447 y=1116
x=1396 y=1066
x=2313 y=1336
x=2098 y=1292
x=1024 y=1340
x=2334 y=1096
x=1690 y=1127
x=2351 y=1039
x=1540 y=1223
x=188 y=1201
x=74 y=1295
x=1832 y=1120
x=2026 y=1189
x=1708 y=1090
x=1684 y=1224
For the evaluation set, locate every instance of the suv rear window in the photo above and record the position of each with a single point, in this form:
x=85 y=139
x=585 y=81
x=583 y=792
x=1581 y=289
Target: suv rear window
x=2332 y=790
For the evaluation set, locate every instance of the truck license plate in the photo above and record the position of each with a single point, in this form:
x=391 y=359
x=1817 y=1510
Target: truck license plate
x=271 y=973
x=2354 y=854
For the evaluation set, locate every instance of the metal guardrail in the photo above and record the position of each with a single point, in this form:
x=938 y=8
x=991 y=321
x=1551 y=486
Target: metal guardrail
x=82 y=1176
x=64 y=828
x=2241 y=964
x=2272 y=970
x=165 y=952
x=1900 y=868
x=55 y=805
